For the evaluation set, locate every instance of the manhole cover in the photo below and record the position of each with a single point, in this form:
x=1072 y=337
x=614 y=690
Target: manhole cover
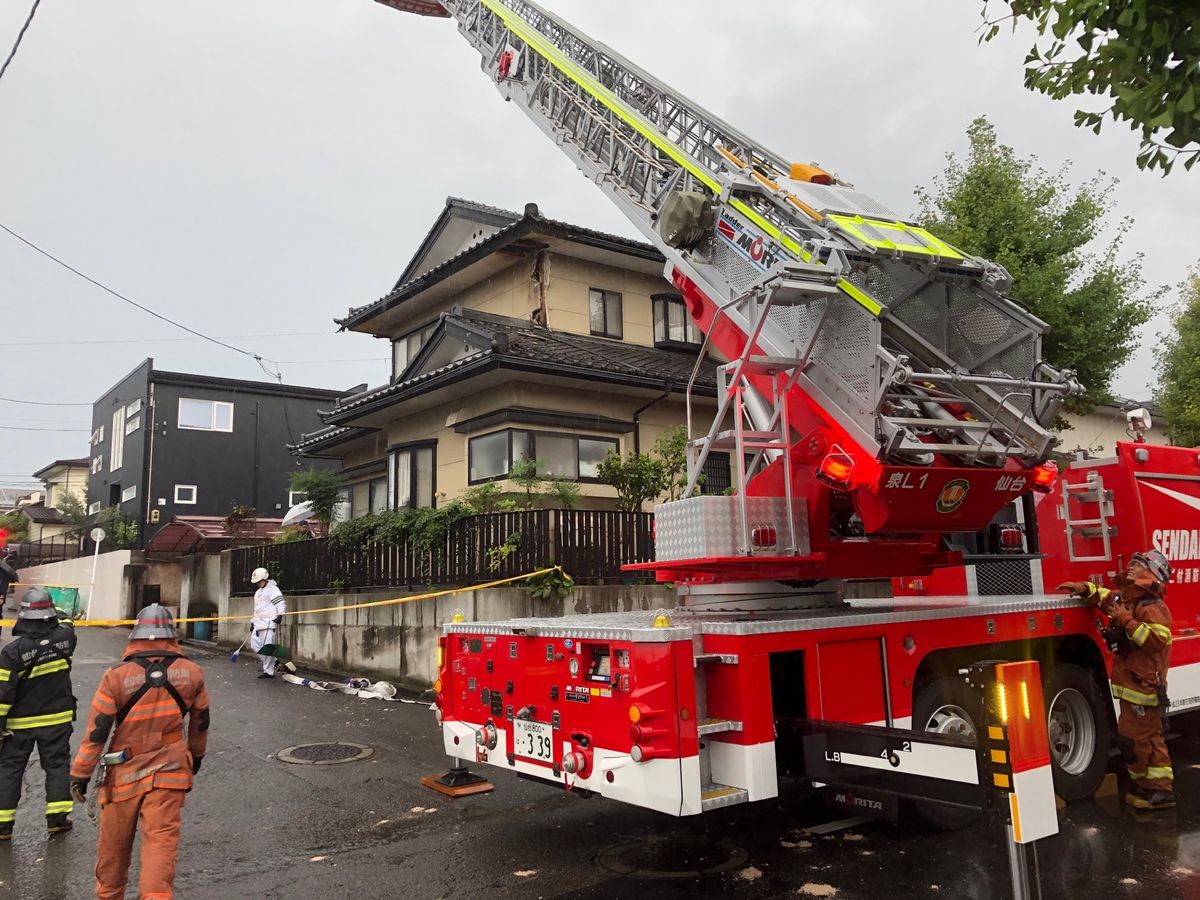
x=327 y=754
x=672 y=857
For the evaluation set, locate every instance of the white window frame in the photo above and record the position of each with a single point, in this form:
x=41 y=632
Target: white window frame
x=292 y=495
x=130 y=493
x=186 y=487
x=212 y=421
x=132 y=425
x=94 y=508
x=133 y=407
x=116 y=456
x=98 y=464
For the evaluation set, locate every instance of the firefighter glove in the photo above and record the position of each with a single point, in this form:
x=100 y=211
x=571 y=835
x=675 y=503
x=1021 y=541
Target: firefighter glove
x=196 y=760
x=279 y=620
x=1081 y=589
x=79 y=789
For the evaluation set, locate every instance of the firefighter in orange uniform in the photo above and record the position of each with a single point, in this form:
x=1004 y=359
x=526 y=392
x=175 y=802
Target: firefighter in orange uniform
x=150 y=760
x=1141 y=627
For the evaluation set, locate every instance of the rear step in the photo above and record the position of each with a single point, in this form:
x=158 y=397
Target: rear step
x=714 y=796
x=712 y=726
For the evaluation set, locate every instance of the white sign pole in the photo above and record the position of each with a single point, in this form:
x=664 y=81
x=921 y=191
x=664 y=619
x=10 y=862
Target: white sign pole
x=98 y=537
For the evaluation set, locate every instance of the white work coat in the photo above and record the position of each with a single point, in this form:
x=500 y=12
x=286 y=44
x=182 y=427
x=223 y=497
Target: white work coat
x=268 y=603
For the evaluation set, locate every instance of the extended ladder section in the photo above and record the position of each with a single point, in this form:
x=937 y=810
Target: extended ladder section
x=897 y=346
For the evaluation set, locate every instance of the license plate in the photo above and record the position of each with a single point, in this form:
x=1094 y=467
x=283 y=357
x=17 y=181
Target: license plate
x=533 y=740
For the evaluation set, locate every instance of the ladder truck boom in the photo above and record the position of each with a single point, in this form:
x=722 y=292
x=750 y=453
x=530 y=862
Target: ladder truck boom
x=883 y=387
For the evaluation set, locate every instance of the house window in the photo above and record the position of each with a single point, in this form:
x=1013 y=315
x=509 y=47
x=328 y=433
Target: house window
x=377 y=499
x=94 y=508
x=205 y=415
x=341 y=512
x=295 y=497
x=98 y=464
x=604 y=311
x=129 y=493
x=132 y=425
x=672 y=324
x=133 y=407
x=114 y=494
x=411 y=476
x=717 y=475
x=404 y=348
x=559 y=455
x=117 y=457
x=185 y=494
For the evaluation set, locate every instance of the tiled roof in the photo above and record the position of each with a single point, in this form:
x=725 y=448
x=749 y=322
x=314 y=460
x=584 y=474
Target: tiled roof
x=532 y=221
x=519 y=344
x=41 y=514
x=334 y=434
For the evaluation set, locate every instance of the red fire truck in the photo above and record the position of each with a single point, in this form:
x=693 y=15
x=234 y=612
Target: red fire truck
x=880 y=396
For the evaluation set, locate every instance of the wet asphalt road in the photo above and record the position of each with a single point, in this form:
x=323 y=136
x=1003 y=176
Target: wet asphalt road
x=255 y=827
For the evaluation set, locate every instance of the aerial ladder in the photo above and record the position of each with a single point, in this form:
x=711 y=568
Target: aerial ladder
x=880 y=389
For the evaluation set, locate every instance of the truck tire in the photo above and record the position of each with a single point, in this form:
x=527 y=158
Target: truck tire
x=1079 y=731
x=943 y=706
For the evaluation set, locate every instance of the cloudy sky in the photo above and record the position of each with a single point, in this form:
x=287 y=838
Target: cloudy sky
x=253 y=168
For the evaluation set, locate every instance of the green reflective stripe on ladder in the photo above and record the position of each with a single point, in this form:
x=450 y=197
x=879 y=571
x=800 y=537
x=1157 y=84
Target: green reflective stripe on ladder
x=544 y=48
x=58 y=718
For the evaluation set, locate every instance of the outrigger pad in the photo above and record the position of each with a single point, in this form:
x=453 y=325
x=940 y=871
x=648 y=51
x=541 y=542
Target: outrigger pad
x=458 y=782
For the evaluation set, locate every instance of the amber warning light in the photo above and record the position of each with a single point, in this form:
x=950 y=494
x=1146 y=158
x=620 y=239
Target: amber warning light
x=1044 y=476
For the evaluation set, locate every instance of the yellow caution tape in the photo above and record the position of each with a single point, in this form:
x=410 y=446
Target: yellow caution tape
x=108 y=623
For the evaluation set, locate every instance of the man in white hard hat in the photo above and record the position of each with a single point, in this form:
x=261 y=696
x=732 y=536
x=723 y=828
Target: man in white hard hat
x=269 y=607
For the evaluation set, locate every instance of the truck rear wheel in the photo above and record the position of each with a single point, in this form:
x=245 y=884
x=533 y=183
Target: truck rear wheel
x=1079 y=732
x=943 y=707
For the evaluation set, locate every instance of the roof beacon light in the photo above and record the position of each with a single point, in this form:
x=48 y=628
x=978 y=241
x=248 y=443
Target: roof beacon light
x=1044 y=475
x=836 y=470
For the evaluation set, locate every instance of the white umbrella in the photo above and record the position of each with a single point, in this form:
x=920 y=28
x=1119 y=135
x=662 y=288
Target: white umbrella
x=298 y=514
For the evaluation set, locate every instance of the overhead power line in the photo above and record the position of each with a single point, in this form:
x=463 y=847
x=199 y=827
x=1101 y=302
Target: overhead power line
x=20 y=35
x=50 y=256
x=17 y=343
x=19 y=428
x=40 y=402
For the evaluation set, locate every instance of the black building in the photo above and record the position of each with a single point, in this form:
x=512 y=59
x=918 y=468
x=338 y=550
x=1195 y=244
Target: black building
x=169 y=444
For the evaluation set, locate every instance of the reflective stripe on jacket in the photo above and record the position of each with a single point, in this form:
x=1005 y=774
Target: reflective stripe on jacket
x=152 y=731
x=35 y=677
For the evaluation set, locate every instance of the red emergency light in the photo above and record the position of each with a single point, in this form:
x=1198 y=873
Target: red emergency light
x=836 y=470
x=3 y=537
x=1044 y=476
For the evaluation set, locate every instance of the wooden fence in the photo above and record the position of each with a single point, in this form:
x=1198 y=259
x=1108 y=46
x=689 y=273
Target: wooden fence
x=591 y=545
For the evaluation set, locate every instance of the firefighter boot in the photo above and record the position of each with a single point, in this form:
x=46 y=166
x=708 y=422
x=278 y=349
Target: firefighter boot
x=58 y=823
x=1140 y=798
x=6 y=831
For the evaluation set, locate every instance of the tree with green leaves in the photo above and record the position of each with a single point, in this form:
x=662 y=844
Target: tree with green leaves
x=322 y=490
x=1179 y=368
x=1142 y=56
x=1061 y=246
x=671 y=448
x=15 y=527
x=638 y=478
x=71 y=508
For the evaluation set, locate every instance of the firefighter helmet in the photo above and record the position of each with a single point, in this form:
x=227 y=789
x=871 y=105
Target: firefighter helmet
x=153 y=623
x=259 y=574
x=36 y=603
x=1155 y=563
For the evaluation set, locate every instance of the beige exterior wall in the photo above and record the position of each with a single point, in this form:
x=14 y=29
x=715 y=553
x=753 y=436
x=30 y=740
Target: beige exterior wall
x=567 y=297
x=68 y=481
x=1098 y=431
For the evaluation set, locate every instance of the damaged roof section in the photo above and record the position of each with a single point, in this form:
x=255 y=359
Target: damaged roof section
x=516 y=235
x=499 y=342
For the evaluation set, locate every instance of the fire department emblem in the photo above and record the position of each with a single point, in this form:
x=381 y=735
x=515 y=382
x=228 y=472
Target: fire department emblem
x=953 y=495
